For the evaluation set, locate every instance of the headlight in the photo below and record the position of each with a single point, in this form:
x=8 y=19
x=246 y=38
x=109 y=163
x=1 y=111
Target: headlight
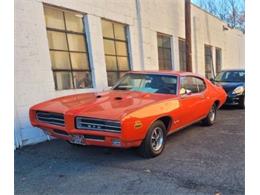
x=239 y=90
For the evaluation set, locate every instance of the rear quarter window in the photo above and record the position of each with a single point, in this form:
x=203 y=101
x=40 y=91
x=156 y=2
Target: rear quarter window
x=201 y=84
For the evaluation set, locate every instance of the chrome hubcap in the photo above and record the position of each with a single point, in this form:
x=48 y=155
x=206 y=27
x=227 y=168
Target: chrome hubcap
x=157 y=139
x=212 y=114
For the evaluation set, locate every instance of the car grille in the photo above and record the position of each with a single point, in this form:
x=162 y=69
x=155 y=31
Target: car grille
x=97 y=124
x=50 y=118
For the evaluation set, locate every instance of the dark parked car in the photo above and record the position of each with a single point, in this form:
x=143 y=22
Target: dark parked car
x=233 y=82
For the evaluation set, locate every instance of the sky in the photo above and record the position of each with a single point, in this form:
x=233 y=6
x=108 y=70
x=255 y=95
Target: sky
x=241 y=2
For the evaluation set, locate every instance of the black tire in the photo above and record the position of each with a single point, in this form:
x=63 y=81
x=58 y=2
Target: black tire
x=242 y=103
x=148 y=147
x=211 y=117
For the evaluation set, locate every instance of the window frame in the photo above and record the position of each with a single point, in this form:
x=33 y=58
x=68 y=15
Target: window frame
x=196 y=77
x=118 y=71
x=71 y=70
x=163 y=35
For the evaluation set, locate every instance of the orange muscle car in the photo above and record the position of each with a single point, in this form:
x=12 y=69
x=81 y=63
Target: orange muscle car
x=139 y=111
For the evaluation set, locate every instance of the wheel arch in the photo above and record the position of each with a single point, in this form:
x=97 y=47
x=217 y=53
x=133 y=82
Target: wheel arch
x=167 y=121
x=217 y=103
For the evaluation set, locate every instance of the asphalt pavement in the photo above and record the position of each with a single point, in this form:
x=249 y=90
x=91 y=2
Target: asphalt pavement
x=196 y=160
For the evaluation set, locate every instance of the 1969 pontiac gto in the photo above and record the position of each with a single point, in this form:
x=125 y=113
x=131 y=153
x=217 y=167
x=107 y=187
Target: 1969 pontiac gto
x=139 y=111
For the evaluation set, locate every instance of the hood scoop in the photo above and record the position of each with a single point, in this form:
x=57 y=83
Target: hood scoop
x=118 y=98
x=98 y=96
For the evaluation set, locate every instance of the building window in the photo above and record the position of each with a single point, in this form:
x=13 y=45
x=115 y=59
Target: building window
x=208 y=62
x=182 y=55
x=218 y=60
x=116 y=50
x=68 y=51
x=164 y=52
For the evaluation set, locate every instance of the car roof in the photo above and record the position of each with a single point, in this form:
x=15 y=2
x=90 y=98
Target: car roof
x=167 y=72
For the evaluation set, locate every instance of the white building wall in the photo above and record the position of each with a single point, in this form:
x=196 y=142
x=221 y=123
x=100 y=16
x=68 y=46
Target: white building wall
x=33 y=76
x=207 y=29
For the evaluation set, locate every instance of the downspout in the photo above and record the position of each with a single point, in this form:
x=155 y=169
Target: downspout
x=140 y=32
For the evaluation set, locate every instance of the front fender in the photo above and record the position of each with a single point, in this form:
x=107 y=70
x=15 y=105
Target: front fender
x=136 y=124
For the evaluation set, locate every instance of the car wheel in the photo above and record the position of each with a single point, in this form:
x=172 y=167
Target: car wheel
x=211 y=117
x=154 y=142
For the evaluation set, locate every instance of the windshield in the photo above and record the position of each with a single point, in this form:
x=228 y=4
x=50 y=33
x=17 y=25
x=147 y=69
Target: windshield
x=149 y=83
x=231 y=76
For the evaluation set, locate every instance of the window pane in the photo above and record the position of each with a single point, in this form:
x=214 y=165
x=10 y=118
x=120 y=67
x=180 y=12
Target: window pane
x=76 y=42
x=60 y=60
x=57 y=40
x=54 y=18
x=159 y=41
x=112 y=78
x=162 y=67
x=201 y=84
x=160 y=53
x=167 y=54
x=74 y=22
x=168 y=64
x=189 y=83
x=166 y=42
x=208 y=61
x=182 y=55
x=161 y=64
x=218 y=60
x=82 y=79
x=121 y=48
x=208 y=75
x=207 y=50
x=183 y=64
x=182 y=45
x=119 y=31
x=107 y=29
x=123 y=63
x=79 y=60
x=109 y=47
x=121 y=74
x=111 y=63
x=63 y=80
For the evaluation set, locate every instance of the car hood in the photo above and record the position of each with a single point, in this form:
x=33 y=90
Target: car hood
x=230 y=86
x=107 y=105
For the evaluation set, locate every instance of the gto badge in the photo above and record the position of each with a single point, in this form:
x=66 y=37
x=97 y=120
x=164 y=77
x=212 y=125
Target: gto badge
x=138 y=124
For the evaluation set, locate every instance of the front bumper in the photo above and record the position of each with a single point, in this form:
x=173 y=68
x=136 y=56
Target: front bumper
x=94 y=138
x=233 y=100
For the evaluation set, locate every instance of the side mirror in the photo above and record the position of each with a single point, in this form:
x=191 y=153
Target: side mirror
x=185 y=91
x=188 y=92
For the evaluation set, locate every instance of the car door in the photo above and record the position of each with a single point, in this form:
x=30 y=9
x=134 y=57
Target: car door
x=189 y=101
x=202 y=105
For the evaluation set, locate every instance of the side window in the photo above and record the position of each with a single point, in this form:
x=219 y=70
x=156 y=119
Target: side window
x=201 y=84
x=196 y=85
x=189 y=83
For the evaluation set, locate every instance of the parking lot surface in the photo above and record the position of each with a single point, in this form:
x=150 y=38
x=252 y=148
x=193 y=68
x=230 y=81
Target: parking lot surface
x=199 y=160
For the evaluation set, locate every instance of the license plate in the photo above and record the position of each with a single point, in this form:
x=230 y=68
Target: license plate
x=78 y=139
